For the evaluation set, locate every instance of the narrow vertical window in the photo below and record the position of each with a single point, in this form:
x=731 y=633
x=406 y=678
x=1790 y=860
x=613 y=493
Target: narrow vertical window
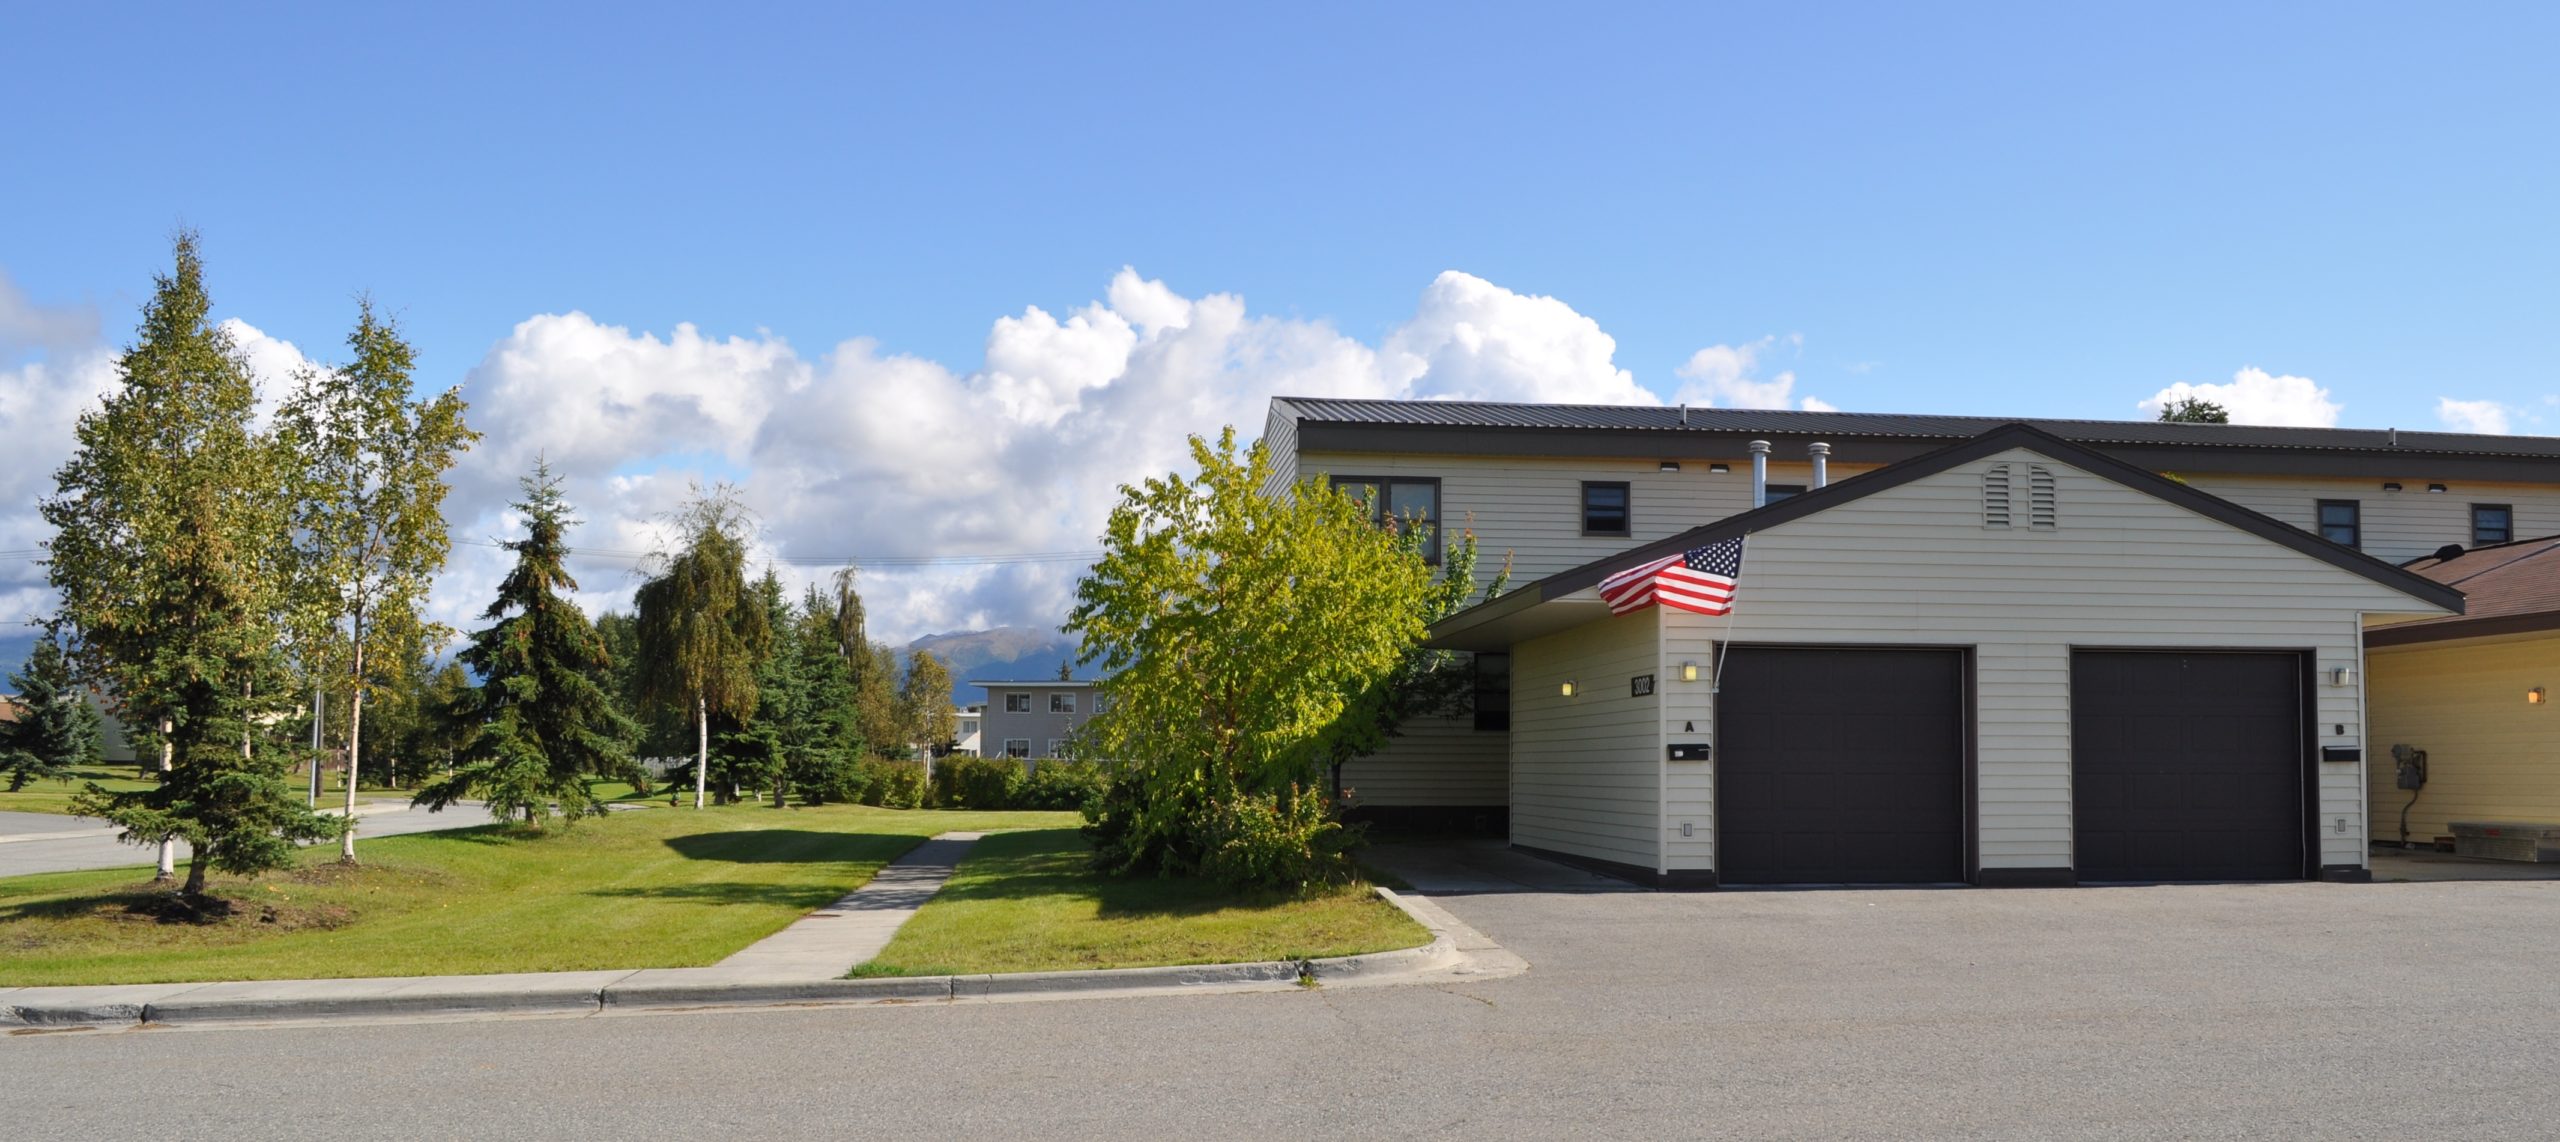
x=2342 y=522
x=1493 y=691
x=2492 y=523
x=1605 y=508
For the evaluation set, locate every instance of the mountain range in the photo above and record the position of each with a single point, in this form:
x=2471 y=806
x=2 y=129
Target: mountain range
x=1008 y=653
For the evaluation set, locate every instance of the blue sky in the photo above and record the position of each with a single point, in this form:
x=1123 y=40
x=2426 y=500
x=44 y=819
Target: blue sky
x=2033 y=209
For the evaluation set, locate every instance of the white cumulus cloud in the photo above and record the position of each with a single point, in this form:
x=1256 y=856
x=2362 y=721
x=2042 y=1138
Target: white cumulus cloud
x=2485 y=416
x=2256 y=397
x=1729 y=376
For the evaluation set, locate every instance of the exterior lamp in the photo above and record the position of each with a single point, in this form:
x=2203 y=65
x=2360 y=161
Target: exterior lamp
x=1688 y=672
x=1568 y=688
x=2533 y=697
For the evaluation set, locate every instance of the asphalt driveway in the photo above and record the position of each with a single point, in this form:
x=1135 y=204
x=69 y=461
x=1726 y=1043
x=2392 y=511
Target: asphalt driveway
x=2293 y=1010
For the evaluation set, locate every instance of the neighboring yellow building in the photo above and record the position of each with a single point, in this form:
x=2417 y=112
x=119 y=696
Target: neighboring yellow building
x=2478 y=692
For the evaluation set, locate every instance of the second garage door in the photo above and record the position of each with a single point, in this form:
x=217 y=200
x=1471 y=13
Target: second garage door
x=2186 y=766
x=1840 y=766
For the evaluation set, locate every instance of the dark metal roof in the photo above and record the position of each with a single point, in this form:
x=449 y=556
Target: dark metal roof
x=1923 y=427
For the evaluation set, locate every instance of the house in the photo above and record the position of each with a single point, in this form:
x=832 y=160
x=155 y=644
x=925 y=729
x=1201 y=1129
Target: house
x=2476 y=693
x=966 y=722
x=2011 y=661
x=1549 y=488
x=1033 y=719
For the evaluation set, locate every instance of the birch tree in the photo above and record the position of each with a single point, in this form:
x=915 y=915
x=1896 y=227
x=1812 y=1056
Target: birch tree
x=370 y=514
x=702 y=632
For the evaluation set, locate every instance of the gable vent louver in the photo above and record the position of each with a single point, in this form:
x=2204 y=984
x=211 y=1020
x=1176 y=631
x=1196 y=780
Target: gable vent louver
x=2042 y=505
x=1995 y=496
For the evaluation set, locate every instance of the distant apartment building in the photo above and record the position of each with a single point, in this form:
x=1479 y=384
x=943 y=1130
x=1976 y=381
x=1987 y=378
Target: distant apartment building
x=1032 y=719
x=967 y=719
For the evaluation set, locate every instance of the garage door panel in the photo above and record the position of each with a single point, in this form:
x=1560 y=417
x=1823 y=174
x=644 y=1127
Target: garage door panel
x=2186 y=765
x=1840 y=766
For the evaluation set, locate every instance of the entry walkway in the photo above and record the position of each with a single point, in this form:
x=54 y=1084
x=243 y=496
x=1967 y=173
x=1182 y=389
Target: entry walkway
x=833 y=940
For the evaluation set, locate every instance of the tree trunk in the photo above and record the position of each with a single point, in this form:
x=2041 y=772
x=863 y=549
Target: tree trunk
x=168 y=845
x=702 y=748
x=355 y=740
x=195 y=873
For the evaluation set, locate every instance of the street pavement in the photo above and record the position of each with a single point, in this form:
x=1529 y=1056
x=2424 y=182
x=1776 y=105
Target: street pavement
x=2292 y=1010
x=28 y=843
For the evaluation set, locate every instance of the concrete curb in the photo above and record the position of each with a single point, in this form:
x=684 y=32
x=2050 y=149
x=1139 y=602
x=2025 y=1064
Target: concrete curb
x=1454 y=953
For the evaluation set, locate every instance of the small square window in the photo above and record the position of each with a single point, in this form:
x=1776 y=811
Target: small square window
x=1400 y=501
x=1062 y=703
x=1017 y=703
x=2492 y=523
x=2342 y=522
x=1605 y=508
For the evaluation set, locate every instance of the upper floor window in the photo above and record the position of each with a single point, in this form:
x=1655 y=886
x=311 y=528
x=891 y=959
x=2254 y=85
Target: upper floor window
x=1779 y=492
x=1604 y=508
x=1493 y=691
x=2342 y=522
x=1062 y=703
x=1405 y=501
x=1017 y=703
x=2492 y=523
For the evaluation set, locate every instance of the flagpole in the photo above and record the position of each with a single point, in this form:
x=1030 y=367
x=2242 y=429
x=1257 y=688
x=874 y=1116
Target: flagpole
x=1724 y=647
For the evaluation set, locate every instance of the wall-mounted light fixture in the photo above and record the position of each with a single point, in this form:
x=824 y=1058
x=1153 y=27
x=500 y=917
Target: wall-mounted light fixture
x=2391 y=485
x=2342 y=676
x=1670 y=465
x=1719 y=469
x=1567 y=688
x=2533 y=697
x=2435 y=489
x=1688 y=672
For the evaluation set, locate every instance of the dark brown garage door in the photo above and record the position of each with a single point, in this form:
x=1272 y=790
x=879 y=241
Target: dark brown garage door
x=1840 y=767
x=2186 y=766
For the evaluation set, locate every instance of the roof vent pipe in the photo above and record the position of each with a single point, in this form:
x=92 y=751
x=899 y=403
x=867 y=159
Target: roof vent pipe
x=1821 y=462
x=1759 y=473
x=1684 y=414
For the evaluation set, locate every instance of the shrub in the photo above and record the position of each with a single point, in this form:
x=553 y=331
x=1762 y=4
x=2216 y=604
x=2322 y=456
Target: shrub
x=977 y=782
x=1061 y=784
x=1288 y=840
x=895 y=785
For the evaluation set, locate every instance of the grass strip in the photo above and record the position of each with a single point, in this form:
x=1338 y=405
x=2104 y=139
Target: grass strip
x=1029 y=901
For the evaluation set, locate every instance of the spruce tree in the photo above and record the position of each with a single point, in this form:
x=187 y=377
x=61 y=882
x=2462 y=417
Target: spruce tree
x=168 y=555
x=56 y=730
x=546 y=727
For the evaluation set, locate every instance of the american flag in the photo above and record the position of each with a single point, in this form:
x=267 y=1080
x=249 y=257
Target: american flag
x=1700 y=579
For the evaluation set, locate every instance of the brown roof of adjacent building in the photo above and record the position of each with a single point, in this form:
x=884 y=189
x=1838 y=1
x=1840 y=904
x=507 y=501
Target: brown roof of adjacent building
x=2509 y=588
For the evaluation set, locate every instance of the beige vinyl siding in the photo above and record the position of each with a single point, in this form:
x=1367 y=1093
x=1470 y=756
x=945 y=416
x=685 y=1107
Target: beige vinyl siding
x=2398 y=526
x=1437 y=762
x=1915 y=565
x=1530 y=508
x=2490 y=755
x=1583 y=776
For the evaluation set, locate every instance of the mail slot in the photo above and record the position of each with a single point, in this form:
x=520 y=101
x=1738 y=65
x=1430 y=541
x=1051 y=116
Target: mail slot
x=1689 y=751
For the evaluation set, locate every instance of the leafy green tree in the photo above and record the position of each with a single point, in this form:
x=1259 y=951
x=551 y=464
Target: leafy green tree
x=430 y=741
x=56 y=730
x=878 y=711
x=1425 y=682
x=546 y=728
x=1239 y=633
x=924 y=703
x=702 y=633
x=369 y=515
x=167 y=554
x=2194 y=410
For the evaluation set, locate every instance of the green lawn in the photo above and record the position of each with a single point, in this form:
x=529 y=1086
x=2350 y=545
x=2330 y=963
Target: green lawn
x=656 y=888
x=117 y=777
x=1027 y=902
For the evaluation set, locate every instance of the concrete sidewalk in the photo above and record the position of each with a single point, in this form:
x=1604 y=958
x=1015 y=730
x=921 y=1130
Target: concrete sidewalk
x=801 y=965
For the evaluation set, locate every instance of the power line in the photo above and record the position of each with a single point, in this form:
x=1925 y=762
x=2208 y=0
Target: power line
x=1007 y=559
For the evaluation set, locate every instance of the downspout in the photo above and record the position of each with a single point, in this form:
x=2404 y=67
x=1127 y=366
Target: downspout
x=1661 y=747
x=1759 y=473
x=1821 y=462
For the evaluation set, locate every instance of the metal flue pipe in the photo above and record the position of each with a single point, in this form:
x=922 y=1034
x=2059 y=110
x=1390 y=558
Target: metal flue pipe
x=1759 y=473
